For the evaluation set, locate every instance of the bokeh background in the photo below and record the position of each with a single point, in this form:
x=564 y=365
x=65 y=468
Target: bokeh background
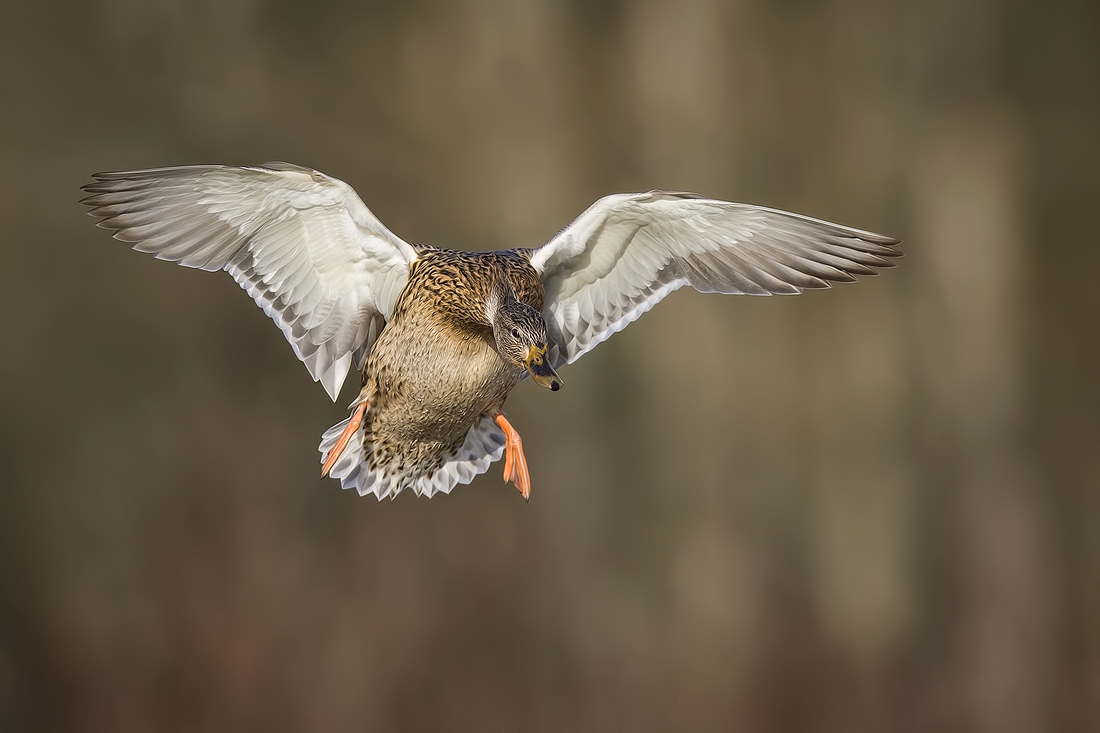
x=873 y=508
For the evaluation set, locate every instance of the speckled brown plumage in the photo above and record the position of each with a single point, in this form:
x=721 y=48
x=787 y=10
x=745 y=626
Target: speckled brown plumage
x=435 y=370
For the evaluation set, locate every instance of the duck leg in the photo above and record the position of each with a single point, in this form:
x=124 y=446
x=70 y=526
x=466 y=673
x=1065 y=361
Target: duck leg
x=515 y=464
x=342 y=442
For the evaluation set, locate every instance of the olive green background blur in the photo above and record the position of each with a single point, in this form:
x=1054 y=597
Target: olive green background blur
x=872 y=508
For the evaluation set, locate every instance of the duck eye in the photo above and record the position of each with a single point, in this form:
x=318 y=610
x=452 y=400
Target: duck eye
x=515 y=333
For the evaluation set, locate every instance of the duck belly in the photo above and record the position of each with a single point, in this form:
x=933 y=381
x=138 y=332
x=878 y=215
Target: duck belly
x=427 y=389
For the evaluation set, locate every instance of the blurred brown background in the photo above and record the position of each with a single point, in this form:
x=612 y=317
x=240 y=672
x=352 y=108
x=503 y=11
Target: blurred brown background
x=873 y=508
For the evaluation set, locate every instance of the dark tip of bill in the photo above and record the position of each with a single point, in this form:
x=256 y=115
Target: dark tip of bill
x=555 y=386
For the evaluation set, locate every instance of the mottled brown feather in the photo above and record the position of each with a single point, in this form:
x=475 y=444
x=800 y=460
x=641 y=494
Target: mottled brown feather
x=434 y=369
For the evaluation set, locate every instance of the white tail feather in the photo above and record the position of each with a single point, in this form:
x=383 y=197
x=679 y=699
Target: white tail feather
x=483 y=446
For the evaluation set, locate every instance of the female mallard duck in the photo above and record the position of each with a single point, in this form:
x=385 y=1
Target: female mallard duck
x=442 y=336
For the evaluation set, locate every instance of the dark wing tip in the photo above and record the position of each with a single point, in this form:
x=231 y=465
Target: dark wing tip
x=887 y=248
x=659 y=195
x=872 y=238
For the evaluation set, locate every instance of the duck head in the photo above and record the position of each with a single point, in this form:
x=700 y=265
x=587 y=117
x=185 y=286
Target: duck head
x=521 y=340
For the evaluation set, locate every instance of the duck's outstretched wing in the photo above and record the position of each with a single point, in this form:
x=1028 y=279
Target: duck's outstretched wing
x=302 y=244
x=628 y=251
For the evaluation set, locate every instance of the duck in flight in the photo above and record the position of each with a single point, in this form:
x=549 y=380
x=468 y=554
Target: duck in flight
x=439 y=336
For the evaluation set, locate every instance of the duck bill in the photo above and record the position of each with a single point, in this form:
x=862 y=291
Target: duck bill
x=538 y=366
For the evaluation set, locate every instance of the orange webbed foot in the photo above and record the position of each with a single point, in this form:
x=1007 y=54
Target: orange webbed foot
x=342 y=442
x=515 y=463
